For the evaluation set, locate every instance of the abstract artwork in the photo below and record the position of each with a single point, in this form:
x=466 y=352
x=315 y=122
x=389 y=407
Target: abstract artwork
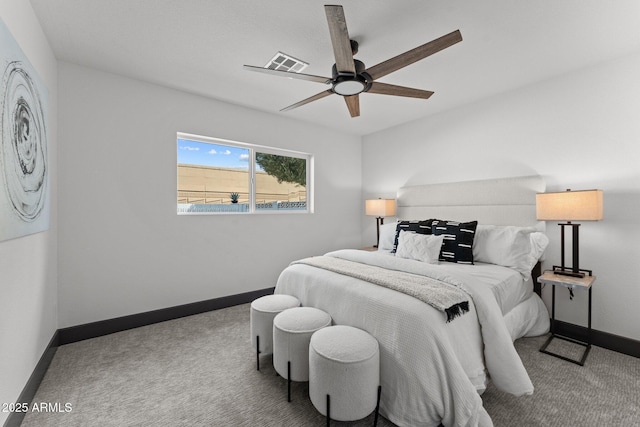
x=24 y=165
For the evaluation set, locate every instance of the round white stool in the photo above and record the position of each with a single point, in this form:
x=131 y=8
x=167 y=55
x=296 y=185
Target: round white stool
x=263 y=311
x=344 y=373
x=292 y=330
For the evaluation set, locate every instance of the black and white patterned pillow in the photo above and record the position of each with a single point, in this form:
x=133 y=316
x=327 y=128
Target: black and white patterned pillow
x=458 y=240
x=420 y=227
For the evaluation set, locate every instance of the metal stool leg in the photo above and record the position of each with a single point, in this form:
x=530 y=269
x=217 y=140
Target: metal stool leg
x=375 y=418
x=288 y=381
x=257 y=352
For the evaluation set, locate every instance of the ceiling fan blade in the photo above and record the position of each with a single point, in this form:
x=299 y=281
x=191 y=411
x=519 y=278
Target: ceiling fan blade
x=308 y=100
x=386 y=89
x=414 y=55
x=340 y=39
x=310 y=77
x=353 y=104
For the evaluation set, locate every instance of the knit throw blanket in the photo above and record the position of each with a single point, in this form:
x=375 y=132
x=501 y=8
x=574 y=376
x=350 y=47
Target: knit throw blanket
x=447 y=298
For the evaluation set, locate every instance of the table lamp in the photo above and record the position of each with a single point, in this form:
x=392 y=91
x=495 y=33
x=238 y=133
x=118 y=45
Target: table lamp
x=585 y=205
x=380 y=208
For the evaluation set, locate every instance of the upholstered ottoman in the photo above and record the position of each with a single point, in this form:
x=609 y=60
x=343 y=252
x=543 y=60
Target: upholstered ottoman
x=344 y=373
x=263 y=311
x=292 y=331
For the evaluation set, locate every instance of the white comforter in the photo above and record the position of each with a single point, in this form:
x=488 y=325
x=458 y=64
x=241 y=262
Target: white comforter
x=423 y=379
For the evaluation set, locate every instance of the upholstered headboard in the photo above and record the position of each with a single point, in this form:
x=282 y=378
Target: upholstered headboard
x=506 y=201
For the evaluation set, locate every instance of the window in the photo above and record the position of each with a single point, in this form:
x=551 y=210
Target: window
x=221 y=176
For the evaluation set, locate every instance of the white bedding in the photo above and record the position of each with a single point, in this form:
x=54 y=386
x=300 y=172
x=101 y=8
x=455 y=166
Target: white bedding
x=507 y=285
x=431 y=371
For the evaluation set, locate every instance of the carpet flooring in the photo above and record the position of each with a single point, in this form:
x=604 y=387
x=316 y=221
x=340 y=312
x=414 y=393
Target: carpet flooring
x=200 y=371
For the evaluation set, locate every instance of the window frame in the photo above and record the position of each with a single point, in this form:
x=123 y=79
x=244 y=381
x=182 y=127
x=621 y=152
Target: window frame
x=253 y=148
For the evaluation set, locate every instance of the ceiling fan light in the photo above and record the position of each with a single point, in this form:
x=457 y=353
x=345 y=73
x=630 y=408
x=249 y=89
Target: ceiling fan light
x=349 y=87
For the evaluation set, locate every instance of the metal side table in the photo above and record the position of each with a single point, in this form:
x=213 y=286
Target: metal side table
x=572 y=283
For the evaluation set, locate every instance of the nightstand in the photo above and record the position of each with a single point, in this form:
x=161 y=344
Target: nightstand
x=549 y=278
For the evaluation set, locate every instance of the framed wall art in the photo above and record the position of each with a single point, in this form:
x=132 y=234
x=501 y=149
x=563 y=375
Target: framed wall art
x=24 y=164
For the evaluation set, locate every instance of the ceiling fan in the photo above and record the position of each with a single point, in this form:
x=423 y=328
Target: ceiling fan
x=350 y=77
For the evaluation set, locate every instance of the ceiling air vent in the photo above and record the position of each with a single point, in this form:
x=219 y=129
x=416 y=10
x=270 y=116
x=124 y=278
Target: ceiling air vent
x=283 y=62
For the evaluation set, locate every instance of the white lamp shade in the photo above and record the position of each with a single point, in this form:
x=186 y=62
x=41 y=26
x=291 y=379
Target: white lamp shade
x=569 y=205
x=380 y=207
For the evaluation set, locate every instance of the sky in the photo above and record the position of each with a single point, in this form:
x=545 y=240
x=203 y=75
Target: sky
x=201 y=153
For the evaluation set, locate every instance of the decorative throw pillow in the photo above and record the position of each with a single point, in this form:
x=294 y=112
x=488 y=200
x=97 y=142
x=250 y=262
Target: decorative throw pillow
x=387 y=236
x=458 y=240
x=421 y=247
x=420 y=227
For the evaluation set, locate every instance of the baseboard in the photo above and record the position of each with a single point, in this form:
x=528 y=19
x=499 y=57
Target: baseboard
x=110 y=326
x=606 y=340
x=30 y=389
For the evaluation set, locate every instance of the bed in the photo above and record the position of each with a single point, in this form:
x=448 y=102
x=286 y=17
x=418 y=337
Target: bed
x=433 y=365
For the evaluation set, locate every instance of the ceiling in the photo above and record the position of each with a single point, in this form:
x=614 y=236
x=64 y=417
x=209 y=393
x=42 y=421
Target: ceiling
x=199 y=46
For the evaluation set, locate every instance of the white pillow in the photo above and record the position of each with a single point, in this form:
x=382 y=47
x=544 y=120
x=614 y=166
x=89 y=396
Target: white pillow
x=510 y=246
x=387 y=236
x=539 y=242
x=421 y=247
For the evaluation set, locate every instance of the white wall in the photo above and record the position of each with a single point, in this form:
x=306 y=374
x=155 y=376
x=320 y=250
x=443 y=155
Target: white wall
x=579 y=131
x=28 y=270
x=123 y=249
